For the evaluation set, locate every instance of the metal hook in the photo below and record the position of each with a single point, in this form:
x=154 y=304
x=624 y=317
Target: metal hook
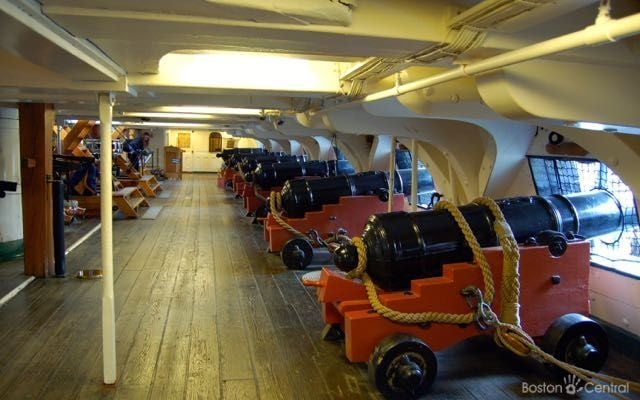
x=484 y=316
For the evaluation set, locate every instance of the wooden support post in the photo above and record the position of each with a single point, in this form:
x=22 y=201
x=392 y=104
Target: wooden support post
x=36 y=124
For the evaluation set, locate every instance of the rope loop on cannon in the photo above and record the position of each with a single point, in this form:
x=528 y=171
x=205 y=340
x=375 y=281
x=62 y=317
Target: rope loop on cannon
x=275 y=205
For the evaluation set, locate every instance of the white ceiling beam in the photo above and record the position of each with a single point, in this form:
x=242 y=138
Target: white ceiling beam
x=27 y=13
x=119 y=28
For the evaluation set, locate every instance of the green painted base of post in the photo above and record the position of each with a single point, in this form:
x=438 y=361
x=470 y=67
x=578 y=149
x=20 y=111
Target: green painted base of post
x=11 y=250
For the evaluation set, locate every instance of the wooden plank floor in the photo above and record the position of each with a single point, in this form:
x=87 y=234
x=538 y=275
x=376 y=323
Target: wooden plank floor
x=12 y=272
x=204 y=312
x=11 y=275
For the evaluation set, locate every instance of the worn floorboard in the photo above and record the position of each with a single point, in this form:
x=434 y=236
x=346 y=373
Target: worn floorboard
x=11 y=275
x=12 y=272
x=204 y=312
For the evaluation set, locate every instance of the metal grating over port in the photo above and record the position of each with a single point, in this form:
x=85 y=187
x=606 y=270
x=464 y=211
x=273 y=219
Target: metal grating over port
x=564 y=175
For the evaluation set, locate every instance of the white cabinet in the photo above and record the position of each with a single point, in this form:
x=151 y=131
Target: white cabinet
x=200 y=161
x=187 y=161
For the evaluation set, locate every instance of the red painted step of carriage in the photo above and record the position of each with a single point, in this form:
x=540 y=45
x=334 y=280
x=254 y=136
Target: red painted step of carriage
x=253 y=197
x=224 y=176
x=238 y=183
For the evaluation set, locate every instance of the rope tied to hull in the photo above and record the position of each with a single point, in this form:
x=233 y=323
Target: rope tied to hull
x=520 y=343
x=507 y=333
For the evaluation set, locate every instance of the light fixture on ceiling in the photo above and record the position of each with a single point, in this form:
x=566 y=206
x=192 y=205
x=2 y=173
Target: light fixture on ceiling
x=252 y=71
x=175 y=115
x=593 y=126
x=164 y=124
x=610 y=128
x=210 y=110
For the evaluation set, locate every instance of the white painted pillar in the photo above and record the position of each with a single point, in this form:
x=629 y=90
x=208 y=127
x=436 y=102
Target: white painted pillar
x=379 y=152
x=11 y=206
x=275 y=146
x=296 y=148
x=105 y=104
x=325 y=148
x=414 y=175
x=392 y=173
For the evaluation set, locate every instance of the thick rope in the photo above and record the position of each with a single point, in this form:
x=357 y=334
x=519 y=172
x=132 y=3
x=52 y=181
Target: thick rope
x=519 y=342
x=510 y=289
x=412 y=318
x=358 y=272
x=476 y=249
x=275 y=204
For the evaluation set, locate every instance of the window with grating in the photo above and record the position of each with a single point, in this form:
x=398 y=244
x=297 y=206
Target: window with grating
x=563 y=175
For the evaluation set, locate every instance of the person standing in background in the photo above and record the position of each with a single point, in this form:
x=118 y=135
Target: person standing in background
x=135 y=148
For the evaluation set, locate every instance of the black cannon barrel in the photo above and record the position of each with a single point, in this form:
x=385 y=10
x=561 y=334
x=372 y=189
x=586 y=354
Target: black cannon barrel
x=267 y=175
x=340 y=167
x=237 y=158
x=311 y=168
x=302 y=195
x=250 y=163
x=248 y=166
x=404 y=246
x=290 y=158
x=403 y=159
x=425 y=181
x=6 y=186
x=226 y=154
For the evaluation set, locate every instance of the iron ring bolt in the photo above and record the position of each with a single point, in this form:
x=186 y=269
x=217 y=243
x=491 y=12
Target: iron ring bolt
x=487 y=316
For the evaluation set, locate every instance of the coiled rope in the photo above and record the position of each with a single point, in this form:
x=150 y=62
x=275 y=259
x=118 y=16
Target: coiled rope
x=519 y=342
x=275 y=204
x=508 y=332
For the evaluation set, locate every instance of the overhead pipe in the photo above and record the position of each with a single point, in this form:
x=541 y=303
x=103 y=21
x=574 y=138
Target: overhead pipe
x=602 y=32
